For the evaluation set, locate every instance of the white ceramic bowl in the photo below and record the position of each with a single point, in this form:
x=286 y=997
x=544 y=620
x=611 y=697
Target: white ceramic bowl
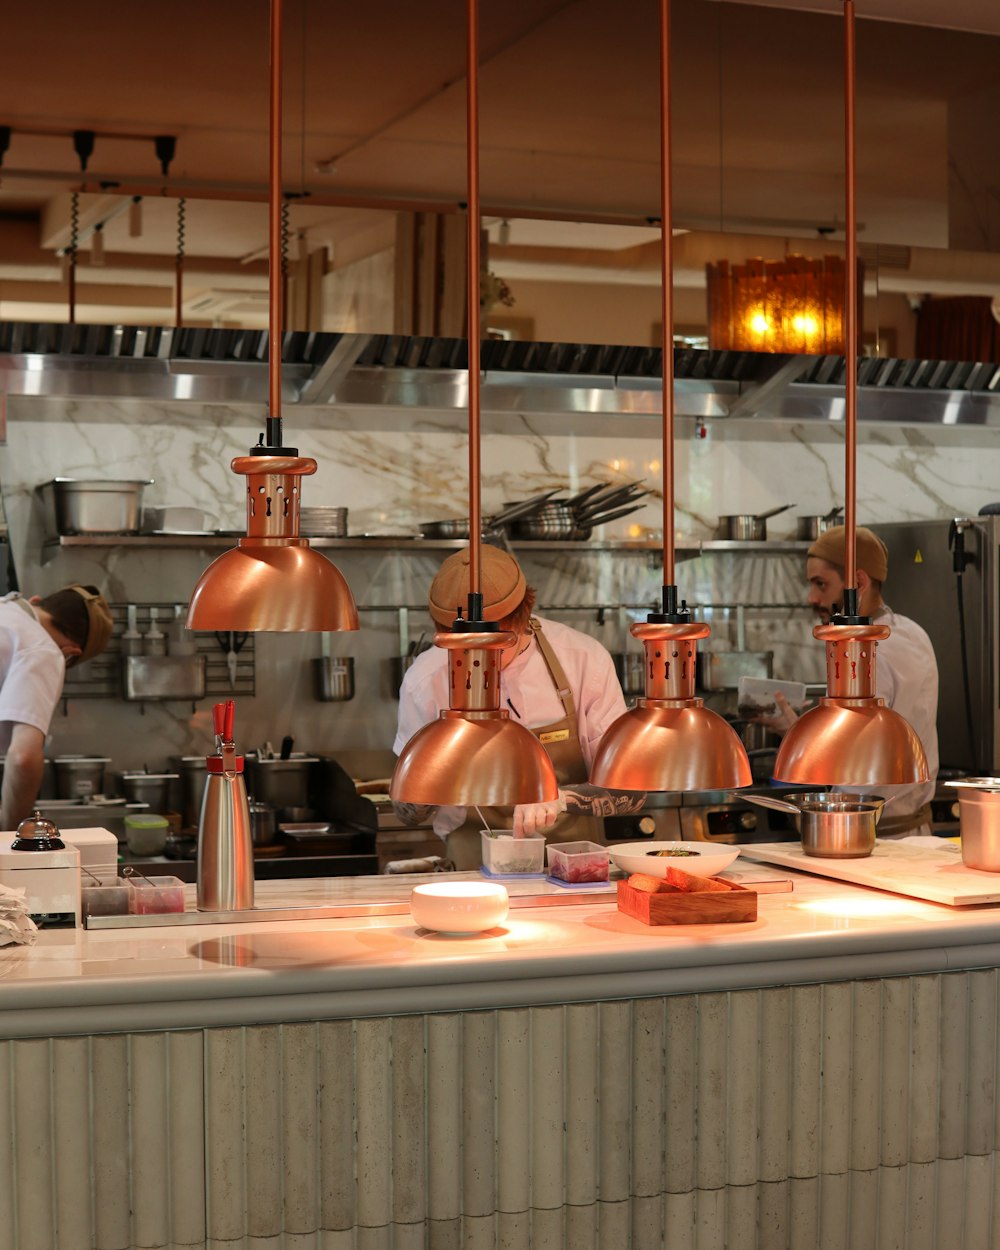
x=458 y=906
x=709 y=860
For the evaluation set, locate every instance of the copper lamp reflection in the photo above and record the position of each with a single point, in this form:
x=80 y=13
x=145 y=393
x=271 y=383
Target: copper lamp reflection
x=669 y=740
x=273 y=580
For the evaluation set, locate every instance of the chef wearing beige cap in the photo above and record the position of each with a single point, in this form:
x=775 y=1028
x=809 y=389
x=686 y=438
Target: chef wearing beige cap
x=906 y=669
x=559 y=683
x=39 y=639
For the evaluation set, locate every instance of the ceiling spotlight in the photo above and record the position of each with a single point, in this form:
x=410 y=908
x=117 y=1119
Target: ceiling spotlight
x=165 y=147
x=503 y=234
x=135 y=218
x=97 y=245
x=83 y=145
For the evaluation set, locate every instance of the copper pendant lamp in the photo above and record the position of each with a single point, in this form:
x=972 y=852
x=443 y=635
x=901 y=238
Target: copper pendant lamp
x=670 y=740
x=473 y=753
x=851 y=737
x=273 y=580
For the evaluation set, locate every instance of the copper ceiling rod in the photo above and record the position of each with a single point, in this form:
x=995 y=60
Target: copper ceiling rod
x=667 y=289
x=472 y=311
x=850 y=607
x=273 y=435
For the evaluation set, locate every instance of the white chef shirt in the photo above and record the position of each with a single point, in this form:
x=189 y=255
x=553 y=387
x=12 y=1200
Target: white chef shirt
x=32 y=670
x=527 y=692
x=906 y=676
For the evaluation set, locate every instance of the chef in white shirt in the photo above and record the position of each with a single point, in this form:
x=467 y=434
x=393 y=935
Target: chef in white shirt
x=556 y=681
x=906 y=673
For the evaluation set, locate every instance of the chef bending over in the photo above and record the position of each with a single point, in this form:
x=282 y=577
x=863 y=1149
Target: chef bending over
x=557 y=682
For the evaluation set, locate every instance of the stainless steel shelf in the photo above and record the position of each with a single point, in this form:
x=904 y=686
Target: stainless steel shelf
x=222 y=541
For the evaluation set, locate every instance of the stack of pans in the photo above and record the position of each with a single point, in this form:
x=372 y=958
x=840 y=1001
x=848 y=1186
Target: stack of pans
x=323 y=522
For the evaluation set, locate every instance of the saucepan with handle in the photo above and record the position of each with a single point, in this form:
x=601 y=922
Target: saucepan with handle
x=748 y=527
x=831 y=825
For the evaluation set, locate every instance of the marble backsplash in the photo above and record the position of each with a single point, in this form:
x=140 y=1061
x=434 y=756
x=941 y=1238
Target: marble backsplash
x=393 y=469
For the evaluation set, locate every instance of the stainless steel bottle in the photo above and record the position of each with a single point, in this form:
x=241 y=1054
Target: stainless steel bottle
x=225 y=839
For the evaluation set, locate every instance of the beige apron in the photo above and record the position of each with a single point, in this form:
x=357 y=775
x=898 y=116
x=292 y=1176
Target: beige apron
x=561 y=740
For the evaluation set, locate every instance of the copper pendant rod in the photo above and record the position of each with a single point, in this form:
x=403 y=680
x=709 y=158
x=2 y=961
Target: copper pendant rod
x=274 y=235
x=667 y=283
x=472 y=176
x=850 y=309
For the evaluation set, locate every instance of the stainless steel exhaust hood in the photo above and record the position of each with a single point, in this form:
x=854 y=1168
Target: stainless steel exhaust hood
x=230 y=366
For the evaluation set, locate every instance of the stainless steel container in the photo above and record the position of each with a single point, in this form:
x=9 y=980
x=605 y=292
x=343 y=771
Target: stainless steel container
x=263 y=823
x=809 y=527
x=85 y=506
x=79 y=776
x=282 y=783
x=979 y=823
x=333 y=678
x=631 y=669
x=151 y=788
x=838 y=826
x=193 y=773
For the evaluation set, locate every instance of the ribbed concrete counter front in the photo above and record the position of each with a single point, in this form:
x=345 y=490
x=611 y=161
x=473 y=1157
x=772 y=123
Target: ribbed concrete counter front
x=825 y=1077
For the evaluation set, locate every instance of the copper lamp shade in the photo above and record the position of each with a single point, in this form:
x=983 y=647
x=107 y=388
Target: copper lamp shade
x=272 y=580
x=670 y=740
x=473 y=753
x=851 y=737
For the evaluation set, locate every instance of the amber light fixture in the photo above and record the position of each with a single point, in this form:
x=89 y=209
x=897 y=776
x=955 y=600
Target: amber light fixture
x=273 y=580
x=473 y=753
x=851 y=737
x=791 y=305
x=669 y=740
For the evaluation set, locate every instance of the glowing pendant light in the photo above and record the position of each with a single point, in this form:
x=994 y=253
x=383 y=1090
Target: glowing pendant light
x=473 y=753
x=670 y=740
x=273 y=580
x=851 y=737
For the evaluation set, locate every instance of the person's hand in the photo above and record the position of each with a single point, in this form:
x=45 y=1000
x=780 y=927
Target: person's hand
x=784 y=717
x=531 y=819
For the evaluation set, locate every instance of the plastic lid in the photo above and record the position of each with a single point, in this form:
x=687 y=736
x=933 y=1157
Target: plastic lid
x=146 y=821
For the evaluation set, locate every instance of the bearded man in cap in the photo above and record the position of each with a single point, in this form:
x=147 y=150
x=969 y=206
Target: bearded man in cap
x=39 y=639
x=906 y=674
x=557 y=682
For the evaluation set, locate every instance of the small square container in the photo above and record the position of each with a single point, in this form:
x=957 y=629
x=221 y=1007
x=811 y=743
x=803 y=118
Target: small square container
x=105 y=900
x=577 y=863
x=156 y=895
x=756 y=695
x=504 y=855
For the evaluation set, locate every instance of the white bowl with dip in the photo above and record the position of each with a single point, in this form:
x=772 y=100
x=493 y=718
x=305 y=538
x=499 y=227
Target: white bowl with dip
x=459 y=907
x=700 y=859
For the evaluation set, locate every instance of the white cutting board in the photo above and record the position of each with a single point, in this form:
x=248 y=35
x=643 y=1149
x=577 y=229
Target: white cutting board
x=932 y=873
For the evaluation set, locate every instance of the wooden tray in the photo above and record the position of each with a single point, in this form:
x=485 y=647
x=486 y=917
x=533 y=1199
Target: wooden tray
x=734 y=904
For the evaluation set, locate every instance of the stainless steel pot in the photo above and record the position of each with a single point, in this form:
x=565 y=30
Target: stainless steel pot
x=979 y=821
x=809 y=527
x=831 y=825
x=334 y=678
x=79 y=776
x=748 y=527
x=97 y=507
x=151 y=788
x=263 y=823
x=193 y=772
x=631 y=669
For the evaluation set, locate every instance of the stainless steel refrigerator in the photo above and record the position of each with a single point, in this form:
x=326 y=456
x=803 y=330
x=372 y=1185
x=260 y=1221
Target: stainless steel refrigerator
x=945 y=575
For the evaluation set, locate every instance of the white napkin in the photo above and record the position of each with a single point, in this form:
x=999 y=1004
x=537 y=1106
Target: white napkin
x=16 y=926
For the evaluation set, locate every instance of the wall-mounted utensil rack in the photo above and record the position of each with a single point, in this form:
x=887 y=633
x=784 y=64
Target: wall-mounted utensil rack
x=101 y=677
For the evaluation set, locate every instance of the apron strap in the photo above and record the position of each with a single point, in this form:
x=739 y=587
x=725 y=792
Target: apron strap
x=558 y=676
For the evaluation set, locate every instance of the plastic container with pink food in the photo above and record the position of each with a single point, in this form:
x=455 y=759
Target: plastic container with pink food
x=578 y=863
x=156 y=895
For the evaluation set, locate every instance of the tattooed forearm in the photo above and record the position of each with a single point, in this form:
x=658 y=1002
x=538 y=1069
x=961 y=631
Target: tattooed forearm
x=598 y=802
x=413 y=813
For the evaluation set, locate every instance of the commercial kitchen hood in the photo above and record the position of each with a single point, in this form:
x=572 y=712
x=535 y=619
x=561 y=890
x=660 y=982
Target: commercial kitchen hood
x=400 y=371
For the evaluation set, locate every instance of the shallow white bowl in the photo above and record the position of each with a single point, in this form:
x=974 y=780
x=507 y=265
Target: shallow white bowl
x=635 y=857
x=458 y=906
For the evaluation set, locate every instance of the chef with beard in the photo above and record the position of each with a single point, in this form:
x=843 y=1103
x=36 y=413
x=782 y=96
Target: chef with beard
x=906 y=674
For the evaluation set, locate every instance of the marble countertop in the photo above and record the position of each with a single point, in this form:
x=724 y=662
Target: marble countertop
x=260 y=971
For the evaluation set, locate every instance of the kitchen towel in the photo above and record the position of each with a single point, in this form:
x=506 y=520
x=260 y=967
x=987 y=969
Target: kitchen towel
x=16 y=926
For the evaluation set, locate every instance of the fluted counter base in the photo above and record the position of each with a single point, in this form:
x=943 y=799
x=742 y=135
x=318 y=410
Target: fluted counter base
x=855 y=1114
